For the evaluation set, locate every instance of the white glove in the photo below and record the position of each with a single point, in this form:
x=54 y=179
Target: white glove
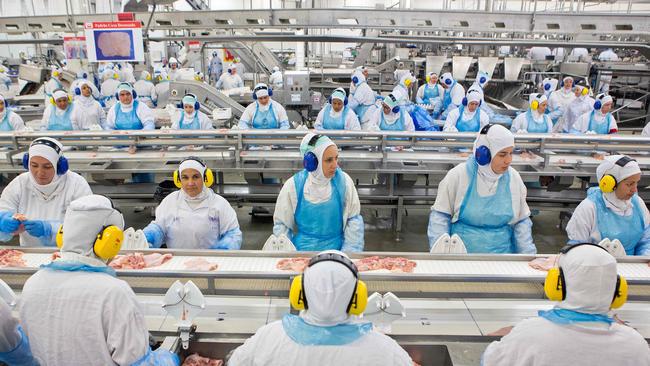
x=374 y=127
x=613 y=247
x=451 y=129
x=279 y=244
x=441 y=246
x=235 y=127
x=129 y=236
x=521 y=131
x=140 y=240
x=457 y=245
x=590 y=133
x=95 y=127
x=302 y=127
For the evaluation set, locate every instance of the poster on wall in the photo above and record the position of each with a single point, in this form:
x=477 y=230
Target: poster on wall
x=114 y=41
x=75 y=48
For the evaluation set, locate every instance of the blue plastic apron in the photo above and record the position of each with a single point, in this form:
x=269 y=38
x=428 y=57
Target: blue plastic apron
x=431 y=92
x=313 y=335
x=330 y=123
x=62 y=122
x=601 y=128
x=483 y=222
x=472 y=125
x=446 y=100
x=129 y=120
x=265 y=120
x=5 y=125
x=320 y=225
x=565 y=316
x=534 y=126
x=397 y=126
x=194 y=125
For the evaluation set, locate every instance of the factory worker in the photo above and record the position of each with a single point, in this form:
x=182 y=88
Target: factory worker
x=608 y=55
x=173 y=70
x=162 y=87
x=549 y=86
x=579 y=54
x=560 y=100
x=125 y=70
x=198 y=76
x=230 y=79
x=400 y=72
x=74 y=310
x=241 y=68
x=358 y=70
x=14 y=344
x=265 y=113
x=484 y=199
x=534 y=120
x=318 y=208
x=390 y=117
x=5 y=80
x=129 y=114
x=401 y=90
x=325 y=333
x=146 y=90
x=42 y=195
x=600 y=119
x=108 y=88
x=87 y=111
x=362 y=97
x=578 y=330
x=613 y=210
x=55 y=82
x=192 y=118
x=469 y=117
x=481 y=81
x=58 y=115
x=539 y=53
x=582 y=104
x=276 y=78
x=9 y=120
x=194 y=217
x=431 y=93
x=75 y=86
x=454 y=94
x=337 y=115
x=215 y=68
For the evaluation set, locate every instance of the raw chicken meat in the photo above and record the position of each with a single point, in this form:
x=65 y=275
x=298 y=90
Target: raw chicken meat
x=55 y=256
x=393 y=264
x=139 y=260
x=543 y=264
x=114 y=44
x=196 y=360
x=292 y=264
x=598 y=156
x=527 y=155
x=11 y=258
x=21 y=218
x=200 y=264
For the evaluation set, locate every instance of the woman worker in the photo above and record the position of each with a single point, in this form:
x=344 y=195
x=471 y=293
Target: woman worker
x=337 y=115
x=318 y=208
x=535 y=119
x=191 y=118
x=484 y=199
x=194 y=217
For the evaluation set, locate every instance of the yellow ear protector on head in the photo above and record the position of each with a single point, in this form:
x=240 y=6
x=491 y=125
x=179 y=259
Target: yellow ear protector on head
x=608 y=182
x=428 y=78
x=107 y=244
x=53 y=102
x=208 y=176
x=407 y=82
x=584 y=91
x=534 y=105
x=148 y=77
x=358 y=300
x=555 y=284
x=56 y=73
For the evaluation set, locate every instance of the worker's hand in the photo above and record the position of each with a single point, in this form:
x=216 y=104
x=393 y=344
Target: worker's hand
x=7 y=222
x=37 y=228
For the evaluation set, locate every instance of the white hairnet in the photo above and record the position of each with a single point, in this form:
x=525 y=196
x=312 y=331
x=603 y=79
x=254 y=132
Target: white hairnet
x=447 y=78
x=318 y=185
x=540 y=98
x=605 y=98
x=590 y=279
x=59 y=94
x=474 y=95
x=145 y=75
x=609 y=166
x=496 y=139
x=261 y=90
x=328 y=289
x=173 y=60
x=192 y=164
x=391 y=101
x=339 y=93
x=46 y=151
x=109 y=73
x=567 y=78
x=84 y=219
x=82 y=74
x=549 y=85
x=406 y=77
x=276 y=68
x=482 y=78
x=125 y=87
x=359 y=75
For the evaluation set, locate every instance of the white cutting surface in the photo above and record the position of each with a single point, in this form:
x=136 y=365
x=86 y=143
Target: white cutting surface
x=432 y=267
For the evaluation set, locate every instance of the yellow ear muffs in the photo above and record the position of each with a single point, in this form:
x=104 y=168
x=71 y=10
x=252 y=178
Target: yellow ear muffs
x=109 y=241
x=607 y=183
x=584 y=91
x=148 y=78
x=407 y=82
x=296 y=295
x=534 y=105
x=52 y=101
x=208 y=178
x=56 y=73
x=359 y=299
x=428 y=78
x=115 y=76
x=177 y=179
x=59 y=237
x=553 y=285
x=620 y=293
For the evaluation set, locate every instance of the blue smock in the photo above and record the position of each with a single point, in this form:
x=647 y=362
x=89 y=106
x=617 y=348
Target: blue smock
x=266 y=119
x=5 y=125
x=314 y=335
x=446 y=99
x=432 y=92
x=75 y=266
x=320 y=225
x=128 y=120
x=534 y=126
x=483 y=222
x=330 y=123
x=565 y=316
x=397 y=126
x=472 y=125
x=601 y=128
x=627 y=229
x=62 y=122
x=194 y=125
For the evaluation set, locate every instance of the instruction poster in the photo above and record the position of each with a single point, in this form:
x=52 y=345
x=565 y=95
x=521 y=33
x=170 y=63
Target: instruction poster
x=114 y=41
x=75 y=48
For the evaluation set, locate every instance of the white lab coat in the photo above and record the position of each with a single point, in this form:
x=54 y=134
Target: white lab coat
x=363 y=94
x=174 y=74
x=228 y=81
x=457 y=95
x=608 y=55
x=582 y=124
x=88 y=112
x=285 y=206
x=15 y=121
x=190 y=228
x=420 y=93
x=452 y=118
x=49 y=109
x=276 y=79
x=108 y=89
x=577 y=108
x=50 y=86
x=146 y=92
x=583 y=226
x=246 y=120
x=351 y=120
x=270 y=346
x=204 y=121
x=5 y=83
x=521 y=121
x=374 y=119
x=162 y=92
x=367 y=121
x=143 y=112
x=82 y=318
x=241 y=68
x=76 y=84
x=20 y=196
x=452 y=189
x=561 y=98
x=537 y=341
